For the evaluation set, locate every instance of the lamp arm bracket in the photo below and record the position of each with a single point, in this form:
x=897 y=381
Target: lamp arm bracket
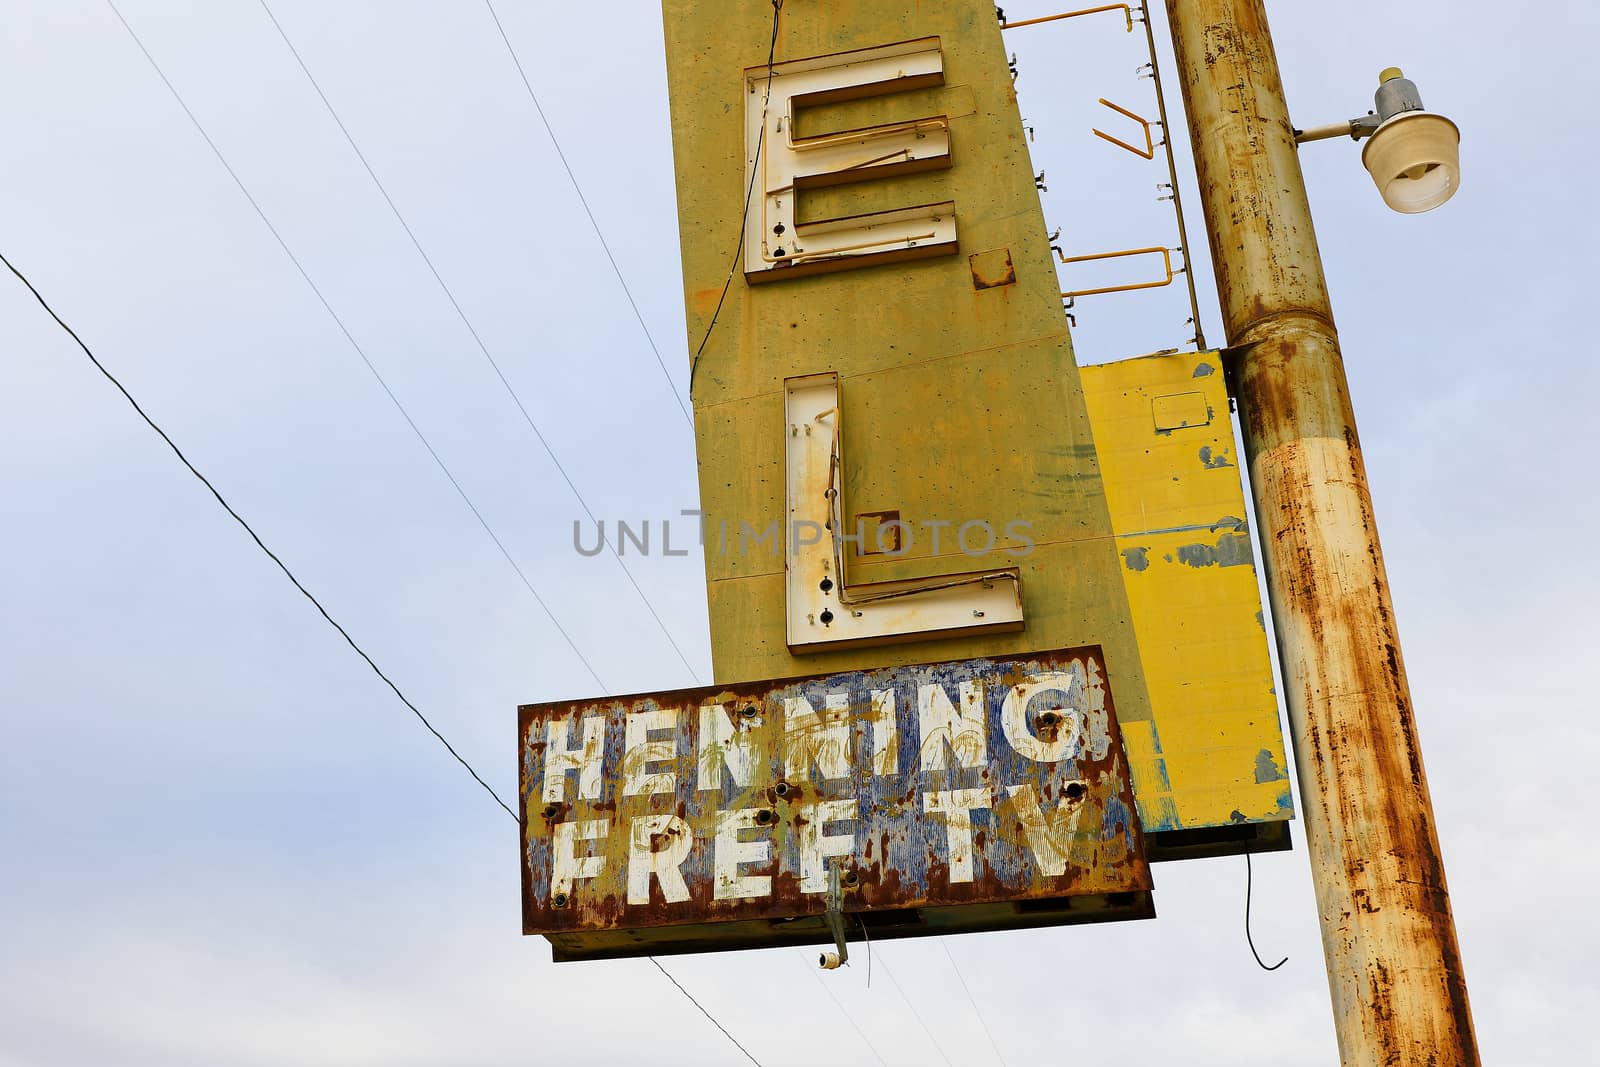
x=1355 y=129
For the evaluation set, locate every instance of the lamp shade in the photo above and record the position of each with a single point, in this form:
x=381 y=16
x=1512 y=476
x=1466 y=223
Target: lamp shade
x=1415 y=160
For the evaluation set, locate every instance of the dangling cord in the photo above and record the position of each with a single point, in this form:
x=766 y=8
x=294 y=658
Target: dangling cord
x=1249 y=878
x=868 y=940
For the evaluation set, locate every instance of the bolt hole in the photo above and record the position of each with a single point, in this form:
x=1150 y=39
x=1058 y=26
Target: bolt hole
x=781 y=789
x=850 y=878
x=825 y=585
x=826 y=617
x=559 y=900
x=551 y=810
x=1050 y=718
x=764 y=817
x=748 y=711
x=1075 y=791
x=779 y=253
x=778 y=229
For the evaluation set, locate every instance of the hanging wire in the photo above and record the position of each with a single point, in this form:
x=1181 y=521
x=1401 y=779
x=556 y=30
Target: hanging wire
x=273 y=556
x=321 y=610
x=703 y=1011
x=744 y=217
x=478 y=338
x=1249 y=879
x=971 y=1000
x=806 y=962
x=587 y=211
x=356 y=345
x=915 y=1014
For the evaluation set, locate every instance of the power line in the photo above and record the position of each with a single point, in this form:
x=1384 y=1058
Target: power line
x=287 y=573
x=744 y=218
x=404 y=414
x=971 y=1000
x=915 y=1014
x=842 y=1010
x=703 y=1011
x=348 y=336
x=321 y=610
x=573 y=178
x=476 y=337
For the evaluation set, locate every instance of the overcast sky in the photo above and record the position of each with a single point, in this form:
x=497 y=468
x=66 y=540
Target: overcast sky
x=223 y=841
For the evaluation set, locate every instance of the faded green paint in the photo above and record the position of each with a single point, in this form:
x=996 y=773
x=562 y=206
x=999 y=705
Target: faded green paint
x=960 y=404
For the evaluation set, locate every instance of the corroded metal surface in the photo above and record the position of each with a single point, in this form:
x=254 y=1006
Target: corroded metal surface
x=1399 y=993
x=1166 y=445
x=976 y=783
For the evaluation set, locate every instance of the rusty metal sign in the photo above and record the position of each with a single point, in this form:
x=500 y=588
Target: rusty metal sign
x=973 y=795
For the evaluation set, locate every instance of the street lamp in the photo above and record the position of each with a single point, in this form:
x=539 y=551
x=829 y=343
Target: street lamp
x=1414 y=156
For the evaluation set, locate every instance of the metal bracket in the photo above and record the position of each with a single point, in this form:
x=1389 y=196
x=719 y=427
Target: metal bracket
x=1355 y=129
x=1127 y=14
x=1166 y=260
x=1149 y=149
x=840 y=956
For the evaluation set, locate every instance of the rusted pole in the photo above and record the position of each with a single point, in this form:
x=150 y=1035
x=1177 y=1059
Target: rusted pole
x=1399 y=994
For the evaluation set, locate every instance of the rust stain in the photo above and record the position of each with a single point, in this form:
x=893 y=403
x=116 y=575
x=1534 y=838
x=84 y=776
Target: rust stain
x=992 y=269
x=1010 y=786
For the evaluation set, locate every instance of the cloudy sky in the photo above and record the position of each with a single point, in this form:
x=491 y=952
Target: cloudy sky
x=224 y=841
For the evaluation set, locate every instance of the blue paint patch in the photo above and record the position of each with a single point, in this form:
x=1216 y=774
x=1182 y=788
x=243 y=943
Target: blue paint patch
x=1230 y=550
x=1267 y=769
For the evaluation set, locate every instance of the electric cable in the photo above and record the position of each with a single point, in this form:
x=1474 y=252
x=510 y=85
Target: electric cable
x=316 y=603
x=471 y=329
x=915 y=1014
x=273 y=556
x=1249 y=879
x=971 y=1000
x=703 y=1011
x=744 y=218
x=305 y=275
x=573 y=178
x=348 y=336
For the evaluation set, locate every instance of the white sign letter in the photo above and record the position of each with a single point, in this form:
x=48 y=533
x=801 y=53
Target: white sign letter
x=1050 y=836
x=955 y=808
x=723 y=743
x=777 y=243
x=639 y=752
x=559 y=758
x=816 y=847
x=885 y=734
x=824 y=741
x=566 y=866
x=1014 y=715
x=730 y=852
x=658 y=845
x=945 y=729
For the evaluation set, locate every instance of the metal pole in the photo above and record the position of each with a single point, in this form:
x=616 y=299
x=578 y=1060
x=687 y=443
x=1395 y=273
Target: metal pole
x=1399 y=994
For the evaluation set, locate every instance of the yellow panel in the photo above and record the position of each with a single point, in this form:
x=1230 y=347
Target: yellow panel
x=1212 y=752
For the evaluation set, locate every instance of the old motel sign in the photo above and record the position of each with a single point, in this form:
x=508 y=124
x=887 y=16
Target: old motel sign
x=708 y=819
x=913 y=499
